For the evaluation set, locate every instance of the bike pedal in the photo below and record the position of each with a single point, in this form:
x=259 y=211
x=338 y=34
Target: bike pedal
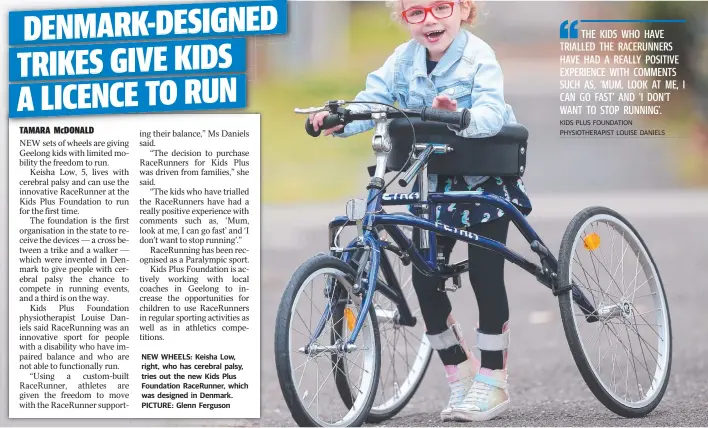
x=456 y=285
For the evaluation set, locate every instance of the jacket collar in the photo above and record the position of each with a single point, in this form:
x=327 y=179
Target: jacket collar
x=450 y=57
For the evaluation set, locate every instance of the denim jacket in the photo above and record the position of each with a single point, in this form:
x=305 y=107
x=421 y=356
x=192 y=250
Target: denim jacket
x=468 y=72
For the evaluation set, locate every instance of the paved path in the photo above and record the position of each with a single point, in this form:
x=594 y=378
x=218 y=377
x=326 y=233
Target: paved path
x=546 y=386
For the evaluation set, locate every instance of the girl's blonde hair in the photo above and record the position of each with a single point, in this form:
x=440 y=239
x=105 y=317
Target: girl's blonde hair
x=396 y=8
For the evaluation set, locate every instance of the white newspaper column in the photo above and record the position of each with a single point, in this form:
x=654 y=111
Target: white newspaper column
x=135 y=267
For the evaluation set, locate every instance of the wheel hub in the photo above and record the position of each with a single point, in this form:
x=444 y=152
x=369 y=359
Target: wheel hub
x=627 y=310
x=622 y=309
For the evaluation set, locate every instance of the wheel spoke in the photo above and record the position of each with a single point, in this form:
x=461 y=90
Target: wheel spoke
x=628 y=352
x=640 y=286
x=636 y=312
x=347 y=377
x=644 y=357
x=620 y=265
x=635 y=330
x=317 y=393
x=597 y=273
x=603 y=292
x=611 y=278
x=622 y=262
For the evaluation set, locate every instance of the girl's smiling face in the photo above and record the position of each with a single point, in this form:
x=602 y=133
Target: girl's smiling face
x=434 y=23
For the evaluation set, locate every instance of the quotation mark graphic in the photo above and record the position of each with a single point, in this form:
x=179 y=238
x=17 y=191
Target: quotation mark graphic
x=569 y=33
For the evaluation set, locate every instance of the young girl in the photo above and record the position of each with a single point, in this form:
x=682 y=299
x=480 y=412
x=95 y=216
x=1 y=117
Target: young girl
x=447 y=67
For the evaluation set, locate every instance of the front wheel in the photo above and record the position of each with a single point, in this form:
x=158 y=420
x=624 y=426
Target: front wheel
x=320 y=292
x=624 y=351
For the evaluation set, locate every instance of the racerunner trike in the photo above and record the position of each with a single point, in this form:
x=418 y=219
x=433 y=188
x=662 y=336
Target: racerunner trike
x=361 y=333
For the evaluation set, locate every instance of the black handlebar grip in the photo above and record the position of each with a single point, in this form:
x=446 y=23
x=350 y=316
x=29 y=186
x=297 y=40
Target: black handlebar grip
x=330 y=121
x=460 y=119
x=311 y=129
x=465 y=119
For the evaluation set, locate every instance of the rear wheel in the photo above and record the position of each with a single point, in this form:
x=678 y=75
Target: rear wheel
x=624 y=356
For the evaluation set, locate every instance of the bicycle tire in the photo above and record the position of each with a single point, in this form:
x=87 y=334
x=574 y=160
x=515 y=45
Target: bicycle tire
x=284 y=369
x=608 y=398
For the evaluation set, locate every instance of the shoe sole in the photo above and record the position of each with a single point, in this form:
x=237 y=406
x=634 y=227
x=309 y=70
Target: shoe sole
x=480 y=416
x=447 y=416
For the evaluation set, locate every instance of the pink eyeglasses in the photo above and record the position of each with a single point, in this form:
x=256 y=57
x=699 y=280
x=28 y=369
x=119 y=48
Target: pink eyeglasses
x=417 y=14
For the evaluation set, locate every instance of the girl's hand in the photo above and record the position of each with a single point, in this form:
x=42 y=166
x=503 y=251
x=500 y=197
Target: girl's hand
x=316 y=119
x=443 y=102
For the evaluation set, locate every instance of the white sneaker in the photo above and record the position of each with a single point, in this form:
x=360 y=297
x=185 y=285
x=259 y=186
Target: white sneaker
x=460 y=378
x=487 y=397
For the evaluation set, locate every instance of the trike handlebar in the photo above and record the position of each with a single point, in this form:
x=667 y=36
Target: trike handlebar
x=343 y=116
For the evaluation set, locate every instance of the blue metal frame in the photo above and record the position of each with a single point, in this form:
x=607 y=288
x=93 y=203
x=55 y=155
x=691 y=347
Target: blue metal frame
x=426 y=260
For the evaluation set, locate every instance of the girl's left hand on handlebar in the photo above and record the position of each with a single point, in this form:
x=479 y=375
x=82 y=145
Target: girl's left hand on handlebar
x=443 y=102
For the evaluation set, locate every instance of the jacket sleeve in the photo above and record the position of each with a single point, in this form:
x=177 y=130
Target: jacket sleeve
x=379 y=88
x=488 y=108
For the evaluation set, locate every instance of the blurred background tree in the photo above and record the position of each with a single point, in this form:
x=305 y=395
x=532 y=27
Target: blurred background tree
x=331 y=46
